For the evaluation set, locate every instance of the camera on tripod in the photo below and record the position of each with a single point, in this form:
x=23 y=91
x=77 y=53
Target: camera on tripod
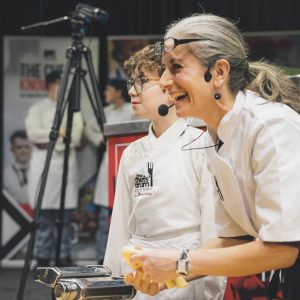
x=83 y=16
x=84 y=283
x=89 y=13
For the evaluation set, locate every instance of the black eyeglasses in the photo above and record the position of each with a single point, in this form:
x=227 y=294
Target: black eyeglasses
x=170 y=43
x=138 y=83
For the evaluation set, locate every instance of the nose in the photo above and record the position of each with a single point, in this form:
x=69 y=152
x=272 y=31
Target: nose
x=132 y=92
x=165 y=80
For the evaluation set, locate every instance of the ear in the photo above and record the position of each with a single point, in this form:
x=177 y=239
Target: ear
x=220 y=72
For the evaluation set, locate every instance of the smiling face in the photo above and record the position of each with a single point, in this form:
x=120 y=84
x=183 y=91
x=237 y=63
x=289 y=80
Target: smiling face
x=191 y=47
x=145 y=105
x=184 y=80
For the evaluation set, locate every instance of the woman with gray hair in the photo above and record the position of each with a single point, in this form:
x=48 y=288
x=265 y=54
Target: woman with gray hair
x=251 y=110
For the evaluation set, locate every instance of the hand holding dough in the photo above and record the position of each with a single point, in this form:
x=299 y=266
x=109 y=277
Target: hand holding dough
x=178 y=282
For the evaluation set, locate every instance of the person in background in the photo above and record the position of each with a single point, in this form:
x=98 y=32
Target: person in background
x=118 y=110
x=16 y=174
x=164 y=196
x=120 y=51
x=38 y=125
x=252 y=112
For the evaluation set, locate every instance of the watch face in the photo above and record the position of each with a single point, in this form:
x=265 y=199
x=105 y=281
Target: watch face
x=182 y=266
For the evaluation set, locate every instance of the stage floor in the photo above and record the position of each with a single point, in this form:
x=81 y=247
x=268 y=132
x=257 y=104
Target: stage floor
x=9 y=283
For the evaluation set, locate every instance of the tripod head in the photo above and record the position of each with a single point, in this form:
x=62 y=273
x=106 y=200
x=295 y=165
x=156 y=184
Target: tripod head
x=83 y=16
x=89 y=13
x=80 y=18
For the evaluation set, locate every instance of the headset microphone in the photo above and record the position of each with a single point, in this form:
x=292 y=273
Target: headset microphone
x=163 y=109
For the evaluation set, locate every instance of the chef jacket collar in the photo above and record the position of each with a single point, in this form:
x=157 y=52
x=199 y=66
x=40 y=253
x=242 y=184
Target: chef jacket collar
x=229 y=122
x=172 y=133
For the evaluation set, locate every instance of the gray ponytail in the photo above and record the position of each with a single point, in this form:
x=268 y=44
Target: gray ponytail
x=273 y=84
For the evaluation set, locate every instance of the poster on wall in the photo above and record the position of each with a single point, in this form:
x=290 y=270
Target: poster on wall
x=26 y=62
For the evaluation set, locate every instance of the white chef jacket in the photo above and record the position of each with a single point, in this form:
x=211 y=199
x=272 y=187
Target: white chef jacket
x=113 y=115
x=13 y=182
x=164 y=199
x=257 y=170
x=38 y=125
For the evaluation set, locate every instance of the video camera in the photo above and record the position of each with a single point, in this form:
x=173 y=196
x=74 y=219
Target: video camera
x=85 y=13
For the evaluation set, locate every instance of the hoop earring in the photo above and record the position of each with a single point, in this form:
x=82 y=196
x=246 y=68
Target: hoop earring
x=217 y=96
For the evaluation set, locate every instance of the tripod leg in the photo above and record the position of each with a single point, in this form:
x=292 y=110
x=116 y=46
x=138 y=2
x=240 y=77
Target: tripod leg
x=60 y=220
x=74 y=105
x=101 y=119
x=92 y=101
x=64 y=90
x=53 y=138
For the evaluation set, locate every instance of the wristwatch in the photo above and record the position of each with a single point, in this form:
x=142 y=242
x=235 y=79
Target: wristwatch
x=183 y=262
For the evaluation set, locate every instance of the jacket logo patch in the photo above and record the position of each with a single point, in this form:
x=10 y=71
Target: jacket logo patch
x=144 y=182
